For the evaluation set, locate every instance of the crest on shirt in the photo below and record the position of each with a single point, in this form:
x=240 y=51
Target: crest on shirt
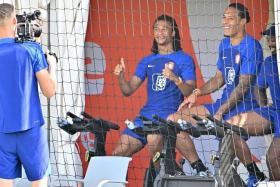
x=159 y=82
x=230 y=75
x=237 y=59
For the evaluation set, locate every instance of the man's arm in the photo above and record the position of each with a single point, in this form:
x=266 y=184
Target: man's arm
x=47 y=78
x=261 y=96
x=212 y=85
x=237 y=94
x=127 y=87
x=186 y=87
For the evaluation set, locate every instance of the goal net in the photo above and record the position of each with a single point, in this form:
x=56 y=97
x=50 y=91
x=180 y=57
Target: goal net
x=89 y=38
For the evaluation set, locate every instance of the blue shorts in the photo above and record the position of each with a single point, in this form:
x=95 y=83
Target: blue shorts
x=138 y=122
x=139 y=137
x=26 y=148
x=272 y=115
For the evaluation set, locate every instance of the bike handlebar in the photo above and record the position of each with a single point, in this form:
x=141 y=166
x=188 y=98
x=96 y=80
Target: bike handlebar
x=181 y=126
x=86 y=124
x=226 y=125
x=151 y=126
x=162 y=126
x=177 y=126
x=211 y=122
x=101 y=121
x=71 y=115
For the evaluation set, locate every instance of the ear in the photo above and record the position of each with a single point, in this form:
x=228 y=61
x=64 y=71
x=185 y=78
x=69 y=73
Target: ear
x=173 y=33
x=243 y=21
x=14 y=21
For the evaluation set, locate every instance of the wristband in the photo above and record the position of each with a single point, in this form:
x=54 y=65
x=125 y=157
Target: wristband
x=179 y=82
x=196 y=92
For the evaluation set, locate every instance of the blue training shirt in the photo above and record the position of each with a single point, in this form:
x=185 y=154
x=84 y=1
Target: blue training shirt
x=20 y=107
x=234 y=61
x=164 y=97
x=269 y=78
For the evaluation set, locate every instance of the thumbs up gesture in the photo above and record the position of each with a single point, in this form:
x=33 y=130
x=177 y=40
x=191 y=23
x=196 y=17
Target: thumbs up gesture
x=168 y=71
x=119 y=67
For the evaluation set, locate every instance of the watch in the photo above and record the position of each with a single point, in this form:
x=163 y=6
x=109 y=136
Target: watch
x=179 y=82
x=196 y=92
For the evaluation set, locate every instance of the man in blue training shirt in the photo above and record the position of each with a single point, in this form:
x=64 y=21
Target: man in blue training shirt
x=240 y=58
x=259 y=121
x=170 y=74
x=270 y=114
x=23 y=140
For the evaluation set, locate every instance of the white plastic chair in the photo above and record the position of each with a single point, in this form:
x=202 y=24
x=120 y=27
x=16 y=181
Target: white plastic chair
x=269 y=184
x=104 y=171
x=22 y=182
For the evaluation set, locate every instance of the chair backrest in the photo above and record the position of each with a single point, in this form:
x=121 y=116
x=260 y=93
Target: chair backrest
x=22 y=182
x=269 y=184
x=113 y=168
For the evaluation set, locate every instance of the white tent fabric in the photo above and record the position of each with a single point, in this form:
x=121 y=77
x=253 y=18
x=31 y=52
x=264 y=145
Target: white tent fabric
x=68 y=23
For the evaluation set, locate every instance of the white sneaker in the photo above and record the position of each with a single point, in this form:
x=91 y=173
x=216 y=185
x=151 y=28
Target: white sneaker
x=204 y=174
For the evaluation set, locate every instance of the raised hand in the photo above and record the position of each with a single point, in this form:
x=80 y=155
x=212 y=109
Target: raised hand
x=51 y=58
x=168 y=71
x=119 y=67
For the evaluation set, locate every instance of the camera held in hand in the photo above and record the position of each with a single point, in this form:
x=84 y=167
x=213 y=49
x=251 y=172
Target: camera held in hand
x=27 y=28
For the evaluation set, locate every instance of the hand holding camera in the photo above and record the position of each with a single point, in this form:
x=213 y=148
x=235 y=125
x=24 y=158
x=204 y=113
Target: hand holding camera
x=51 y=59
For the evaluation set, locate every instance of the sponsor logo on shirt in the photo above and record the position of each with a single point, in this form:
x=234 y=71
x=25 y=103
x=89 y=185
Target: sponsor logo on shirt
x=159 y=82
x=230 y=75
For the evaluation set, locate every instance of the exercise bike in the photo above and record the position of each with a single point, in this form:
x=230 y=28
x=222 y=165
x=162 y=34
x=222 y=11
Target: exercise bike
x=170 y=174
x=225 y=167
x=98 y=126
